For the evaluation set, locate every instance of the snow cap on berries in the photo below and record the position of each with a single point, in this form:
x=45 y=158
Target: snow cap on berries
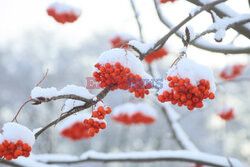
x=126 y=59
x=13 y=132
x=187 y=68
x=64 y=8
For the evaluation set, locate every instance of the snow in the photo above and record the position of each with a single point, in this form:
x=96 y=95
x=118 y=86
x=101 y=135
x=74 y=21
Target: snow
x=52 y=92
x=142 y=47
x=194 y=11
x=225 y=22
x=187 y=68
x=14 y=132
x=30 y=162
x=131 y=109
x=146 y=155
x=183 y=50
x=219 y=35
x=126 y=59
x=36 y=130
x=64 y=8
x=43 y=92
x=53 y=157
x=76 y=90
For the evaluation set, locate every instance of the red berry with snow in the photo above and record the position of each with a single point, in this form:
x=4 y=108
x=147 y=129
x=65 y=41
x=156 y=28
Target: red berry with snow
x=156 y=55
x=188 y=84
x=14 y=145
x=63 y=13
x=227 y=113
x=76 y=132
x=120 y=69
x=230 y=72
x=129 y=114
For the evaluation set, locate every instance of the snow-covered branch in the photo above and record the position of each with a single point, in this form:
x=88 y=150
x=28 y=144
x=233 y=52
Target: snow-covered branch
x=202 y=43
x=223 y=10
x=147 y=156
x=223 y=25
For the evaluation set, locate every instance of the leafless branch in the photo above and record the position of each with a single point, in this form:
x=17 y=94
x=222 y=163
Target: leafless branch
x=137 y=19
x=210 y=47
x=214 y=30
x=149 y=156
x=74 y=110
x=69 y=96
x=239 y=28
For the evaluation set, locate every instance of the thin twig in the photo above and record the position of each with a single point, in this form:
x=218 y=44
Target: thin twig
x=137 y=19
x=15 y=117
x=45 y=75
x=74 y=110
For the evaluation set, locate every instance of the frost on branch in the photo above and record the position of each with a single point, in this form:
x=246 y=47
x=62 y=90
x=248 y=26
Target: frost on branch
x=63 y=13
x=231 y=72
x=221 y=25
x=119 y=40
x=129 y=113
x=188 y=83
x=15 y=140
x=227 y=113
x=47 y=94
x=120 y=69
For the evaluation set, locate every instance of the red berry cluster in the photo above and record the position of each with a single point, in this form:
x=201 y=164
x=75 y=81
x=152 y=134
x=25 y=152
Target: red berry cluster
x=136 y=118
x=227 y=115
x=156 y=55
x=101 y=112
x=62 y=17
x=236 y=71
x=117 y=77
x=165 y=1
x=93 y=126
x=118 y=42
x=184 y=93
x=76 y=132
x=11 y=150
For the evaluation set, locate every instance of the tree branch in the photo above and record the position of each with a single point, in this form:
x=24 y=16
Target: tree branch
x=244 y=21
x=219 y=11
x=208 y=46
x=137 y=19
x=74 y=110
x=148 y=156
